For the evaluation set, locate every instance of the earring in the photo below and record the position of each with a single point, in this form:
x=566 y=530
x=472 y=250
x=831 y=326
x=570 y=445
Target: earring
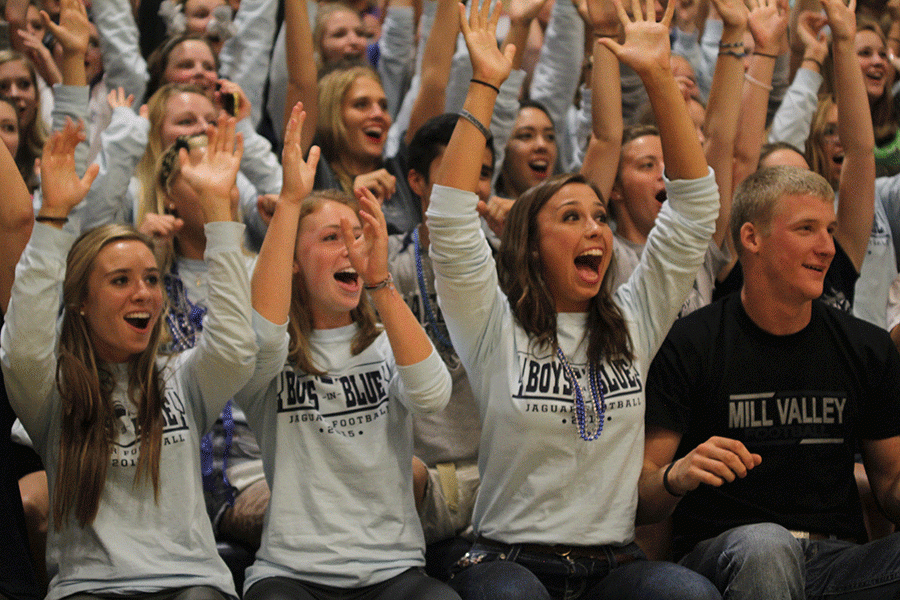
x=81 y=312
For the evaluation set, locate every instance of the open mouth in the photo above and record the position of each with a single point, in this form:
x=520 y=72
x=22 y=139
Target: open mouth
x=540 y=167
x=374 y=134
x=838 y=159
x=347 y=276
x=816 y=268
x=139 y=320
x=661 y=196
x=590 y=260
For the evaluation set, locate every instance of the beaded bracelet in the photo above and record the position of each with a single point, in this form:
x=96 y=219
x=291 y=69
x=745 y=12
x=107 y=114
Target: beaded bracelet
x=666 y=483
x=732 y=53
x=386 y=282
x=478 y=125
x=731 y=45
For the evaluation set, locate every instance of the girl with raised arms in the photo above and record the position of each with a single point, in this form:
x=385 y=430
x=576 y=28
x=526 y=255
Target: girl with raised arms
x=334 y=425
x=556 y=361
x=118 y=429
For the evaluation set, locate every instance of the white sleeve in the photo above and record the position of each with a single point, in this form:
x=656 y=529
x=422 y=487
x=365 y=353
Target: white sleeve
x=474 y=308
x=29 y=337
x=244 y=58
x=558 y=68
x=123 y=64
x=794 y=117
x=224 y=359
x=426 y=385
x=122 y=145
x=673 y=254
x=398 y=54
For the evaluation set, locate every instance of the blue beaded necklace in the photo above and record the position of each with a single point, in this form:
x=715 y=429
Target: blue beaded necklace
x=185 y=321
x=596 y=397
x=429 y=313
x=184 y=318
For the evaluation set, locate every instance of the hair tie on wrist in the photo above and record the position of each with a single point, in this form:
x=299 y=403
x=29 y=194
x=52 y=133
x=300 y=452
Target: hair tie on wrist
x=818 y=63
x=772 y=56
x=666 y=483
x=485 y=83
x=478 y=125
x=46 y=219
x=757 y=82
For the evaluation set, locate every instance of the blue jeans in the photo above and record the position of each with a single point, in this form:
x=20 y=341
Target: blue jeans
x=491 y=574
x=765 y=561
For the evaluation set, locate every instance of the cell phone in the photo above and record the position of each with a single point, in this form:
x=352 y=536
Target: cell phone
x=231 y=102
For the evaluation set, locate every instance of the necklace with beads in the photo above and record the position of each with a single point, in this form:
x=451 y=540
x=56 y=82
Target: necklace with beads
x=597 y=401
x=426 y=303
x=184 y=318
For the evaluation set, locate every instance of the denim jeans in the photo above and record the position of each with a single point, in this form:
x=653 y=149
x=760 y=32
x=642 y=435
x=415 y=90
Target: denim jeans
x=488 y=573
x=765 y=561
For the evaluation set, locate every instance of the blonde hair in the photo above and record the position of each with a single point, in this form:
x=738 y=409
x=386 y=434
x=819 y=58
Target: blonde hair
x=324 y=12
x=147 y=167
x=331 y=132
x=756 y=198
x=86 y=385
x=300 y=325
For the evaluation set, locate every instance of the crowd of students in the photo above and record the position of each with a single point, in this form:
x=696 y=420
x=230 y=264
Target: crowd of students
x=540 y=299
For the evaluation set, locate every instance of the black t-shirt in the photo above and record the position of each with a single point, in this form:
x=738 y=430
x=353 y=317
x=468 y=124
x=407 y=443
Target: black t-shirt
x=837 y=289
x=801 y=401
x=17 y=579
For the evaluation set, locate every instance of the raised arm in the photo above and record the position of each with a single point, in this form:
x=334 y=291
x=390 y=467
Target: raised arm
x=123 y=64
x=768 y=24
x=856 y=201
x=646 y=51
x=301 y=67
x=73 y=34
x=436 y=62
x=601 y=160
x=461 y=168
x=272 y=277
x=793 y=118
x=723 y=106
x=224 y=359
x=29 y=332
x=16 y=221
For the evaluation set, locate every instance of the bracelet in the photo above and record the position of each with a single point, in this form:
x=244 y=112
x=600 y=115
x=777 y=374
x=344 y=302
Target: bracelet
x=731 y=45
x=757 y=82
x=478 y=125
x=813 y=60
x=46 y=219
x=485 y=83
x=772 y=56
x=386 y=282
x=666 y=483
x=732 y=53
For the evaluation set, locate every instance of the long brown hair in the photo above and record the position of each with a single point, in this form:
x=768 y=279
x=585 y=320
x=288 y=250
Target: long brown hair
x=300 y=325
x=520 y=271
x=85 y=386
x=32 y=136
